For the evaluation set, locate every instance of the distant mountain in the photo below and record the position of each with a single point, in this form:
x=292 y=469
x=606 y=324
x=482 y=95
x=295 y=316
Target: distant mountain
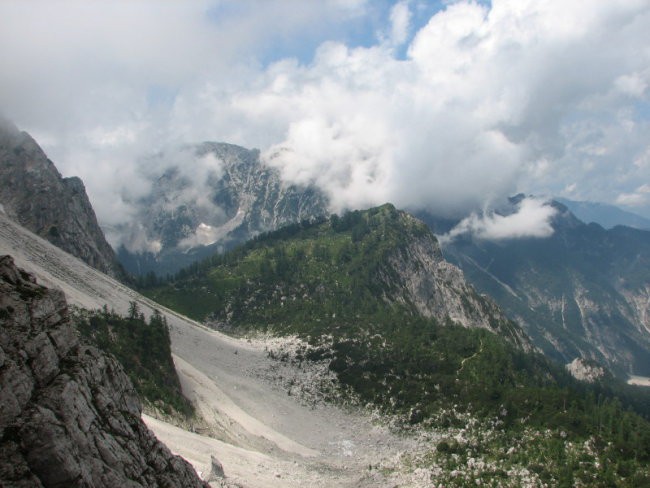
x=34 y=194
x=583 y=292
x=182 y=221
x=608 y=216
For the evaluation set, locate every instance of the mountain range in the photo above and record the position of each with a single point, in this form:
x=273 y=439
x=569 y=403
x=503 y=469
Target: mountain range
x=605 y=215
x=367 y=311
x=583 y=292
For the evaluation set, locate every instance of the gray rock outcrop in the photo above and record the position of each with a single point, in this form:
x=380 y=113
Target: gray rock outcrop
x=69 y=416
x=34 y=194
x=435 y=288
x=584 y=370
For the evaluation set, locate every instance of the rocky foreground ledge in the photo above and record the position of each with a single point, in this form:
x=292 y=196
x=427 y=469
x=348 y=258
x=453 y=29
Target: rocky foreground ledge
x=69 y=416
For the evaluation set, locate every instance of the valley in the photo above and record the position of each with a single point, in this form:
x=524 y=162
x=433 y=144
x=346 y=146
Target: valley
x=337 y=244
x=262 y=436
x=260 y=414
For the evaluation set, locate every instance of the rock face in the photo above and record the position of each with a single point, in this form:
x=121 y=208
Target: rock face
x=422 y=278
x=585 y=371
x=34 y=194
x=338 y=273
x=234 y=197
x=69 y=415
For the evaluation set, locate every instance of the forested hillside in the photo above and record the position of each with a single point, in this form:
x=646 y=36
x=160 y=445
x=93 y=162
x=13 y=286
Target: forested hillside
x=338 y=284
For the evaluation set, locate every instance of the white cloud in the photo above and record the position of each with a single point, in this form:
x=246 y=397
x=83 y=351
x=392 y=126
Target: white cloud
x=520 y=95
x=134 y=238
x=400 y=18
x=203 y=235
x=532 y=218
x=638 y=198
x=633 y=85
x=487 y=102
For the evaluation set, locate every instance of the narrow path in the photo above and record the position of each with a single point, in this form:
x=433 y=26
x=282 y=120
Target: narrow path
x=462 y=363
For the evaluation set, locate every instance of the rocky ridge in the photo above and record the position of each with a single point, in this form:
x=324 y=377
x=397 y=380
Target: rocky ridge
x=34 y=194
x=69 y=416
x=438 y=289
x=335 y=271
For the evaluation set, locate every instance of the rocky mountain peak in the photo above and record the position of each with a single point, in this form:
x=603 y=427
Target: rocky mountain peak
x=34 y=194
x=69 y=416
x=208 y=197
x=423 y=279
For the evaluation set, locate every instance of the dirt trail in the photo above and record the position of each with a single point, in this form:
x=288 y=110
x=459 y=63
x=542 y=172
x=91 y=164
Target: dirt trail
x=266 y=438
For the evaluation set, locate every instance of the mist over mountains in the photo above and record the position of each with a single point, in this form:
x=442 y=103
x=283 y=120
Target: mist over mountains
x=579 y=290
x=210 y=197
x=446 y=106
x=345 y=243
x=608 y=216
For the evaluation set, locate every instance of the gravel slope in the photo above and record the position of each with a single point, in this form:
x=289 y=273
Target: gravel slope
x=262 y=436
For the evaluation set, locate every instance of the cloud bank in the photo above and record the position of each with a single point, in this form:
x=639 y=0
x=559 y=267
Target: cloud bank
x=531 y=219
x=450 y=111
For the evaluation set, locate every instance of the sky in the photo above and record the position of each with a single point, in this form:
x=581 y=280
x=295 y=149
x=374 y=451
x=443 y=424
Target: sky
x=443 y=105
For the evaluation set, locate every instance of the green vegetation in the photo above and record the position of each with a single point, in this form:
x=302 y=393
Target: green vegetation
x=143 y=349
x=481 y=453
x=330 y=283
x=313 y=278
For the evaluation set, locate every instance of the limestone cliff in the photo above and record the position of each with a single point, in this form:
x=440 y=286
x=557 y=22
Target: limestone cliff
x=421 y=277
x=69 y=415
x=34 y=194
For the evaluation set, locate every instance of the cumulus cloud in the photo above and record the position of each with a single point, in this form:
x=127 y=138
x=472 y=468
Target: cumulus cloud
x=400 y=18
x=532 y=218
x=480 y=101
x=487 y=101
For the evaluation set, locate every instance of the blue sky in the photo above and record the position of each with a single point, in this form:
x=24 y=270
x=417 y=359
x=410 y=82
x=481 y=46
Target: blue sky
x=450 y=105
x=358 y=31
